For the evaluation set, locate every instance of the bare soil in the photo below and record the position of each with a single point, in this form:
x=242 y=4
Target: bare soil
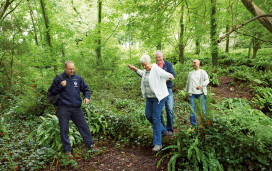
x=112 y=157
x=231 y=89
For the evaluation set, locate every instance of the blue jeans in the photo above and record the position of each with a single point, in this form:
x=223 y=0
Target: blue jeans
x=153 y=110
x=77 y=116
x=169 y=104
x=202 y=100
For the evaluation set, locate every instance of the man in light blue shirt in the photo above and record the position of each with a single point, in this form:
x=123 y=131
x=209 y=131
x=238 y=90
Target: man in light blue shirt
x=196 y=87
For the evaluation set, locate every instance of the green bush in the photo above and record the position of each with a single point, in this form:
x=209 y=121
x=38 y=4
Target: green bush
x=235 y=137
x=263 y=99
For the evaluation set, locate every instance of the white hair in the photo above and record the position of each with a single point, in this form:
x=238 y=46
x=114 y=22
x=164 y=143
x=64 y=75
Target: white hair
x=145 y=58
x=158 y=52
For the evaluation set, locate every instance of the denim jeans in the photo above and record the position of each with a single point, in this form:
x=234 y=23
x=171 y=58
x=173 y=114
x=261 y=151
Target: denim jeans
x=169 y=104
x=202 y=100
x=153 y=110
x=77 y=116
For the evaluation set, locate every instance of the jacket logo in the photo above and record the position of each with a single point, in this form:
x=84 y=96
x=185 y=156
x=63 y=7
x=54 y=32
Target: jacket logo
x=75 y=84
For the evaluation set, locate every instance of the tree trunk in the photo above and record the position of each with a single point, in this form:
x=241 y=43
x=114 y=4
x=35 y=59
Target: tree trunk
x=4 y=7
x=249 y=48
x=227 y=41
x=256 y=46
x=255 y=10
x=46 y=22
x=98 y=48
x=197 y=46
x=34 y=25
x=181 y=43
x=214 y=48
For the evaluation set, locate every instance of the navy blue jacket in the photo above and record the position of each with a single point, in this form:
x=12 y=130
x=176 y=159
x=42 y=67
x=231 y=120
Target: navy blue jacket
x=167 y=66
x=70 y=94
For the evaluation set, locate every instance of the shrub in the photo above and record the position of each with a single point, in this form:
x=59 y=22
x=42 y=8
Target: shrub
x=263 y=99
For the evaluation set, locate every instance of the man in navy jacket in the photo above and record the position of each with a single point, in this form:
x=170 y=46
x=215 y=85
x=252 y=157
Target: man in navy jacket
x=69 y=106
x=169 y=103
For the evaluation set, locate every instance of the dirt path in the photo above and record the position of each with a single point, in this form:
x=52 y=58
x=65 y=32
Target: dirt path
x=230 y=89
x=121 y=158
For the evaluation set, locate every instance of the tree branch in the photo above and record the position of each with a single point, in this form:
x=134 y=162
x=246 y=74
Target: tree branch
x=253 y=37
x=11 y=10
x=112 y=32
x=241 y=25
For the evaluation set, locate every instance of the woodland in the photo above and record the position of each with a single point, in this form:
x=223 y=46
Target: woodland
x=231 y=38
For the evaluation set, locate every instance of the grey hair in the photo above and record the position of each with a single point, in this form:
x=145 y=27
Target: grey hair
x=145 y=58
x=158 y=52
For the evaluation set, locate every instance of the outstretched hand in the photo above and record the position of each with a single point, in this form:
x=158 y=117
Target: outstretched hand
x=132 y=67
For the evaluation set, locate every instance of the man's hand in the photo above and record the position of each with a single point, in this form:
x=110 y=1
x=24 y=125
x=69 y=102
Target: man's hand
x=132 y=68
x=86 y=101
x=63 y=83
x=199 y=87
x=171 y=77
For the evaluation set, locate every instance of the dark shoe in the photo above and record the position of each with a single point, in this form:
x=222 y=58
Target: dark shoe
x=168 y=133
x=93 y=149
x=69 y=154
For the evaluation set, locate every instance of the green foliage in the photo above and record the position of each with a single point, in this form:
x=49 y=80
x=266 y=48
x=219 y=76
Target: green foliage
x=3 y=130
x=235 y=137
x=213 y=80
x=96 y=121
x=48 y=133
x=263 y=99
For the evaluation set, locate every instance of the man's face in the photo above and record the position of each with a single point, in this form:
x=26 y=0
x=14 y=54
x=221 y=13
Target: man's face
x=159 y=58
x=196 y=64
x=70 y=69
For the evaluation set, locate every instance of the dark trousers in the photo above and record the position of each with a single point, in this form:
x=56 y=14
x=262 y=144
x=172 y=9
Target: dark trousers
x=77 y=116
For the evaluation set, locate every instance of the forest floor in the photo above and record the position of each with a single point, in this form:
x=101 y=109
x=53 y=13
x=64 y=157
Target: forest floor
x=230 y=89
x=114 y=157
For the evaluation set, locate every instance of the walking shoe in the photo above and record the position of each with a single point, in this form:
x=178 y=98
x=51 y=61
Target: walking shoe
x=69 y=154
x=157 y=148
x=168 y=133
x=93 y=149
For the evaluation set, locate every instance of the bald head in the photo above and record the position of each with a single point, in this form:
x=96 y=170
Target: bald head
x=69 y=68
x=196 y=64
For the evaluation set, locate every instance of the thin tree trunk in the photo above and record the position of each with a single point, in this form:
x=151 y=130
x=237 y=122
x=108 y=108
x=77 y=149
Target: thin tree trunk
x=227 y=41
x=98 y=48
x=214 y=48
x=197 y=46
x=249 y=48
x=34 y=25
x=158 y=26
x=181 y=43
x=256 y=46
x=46 y=22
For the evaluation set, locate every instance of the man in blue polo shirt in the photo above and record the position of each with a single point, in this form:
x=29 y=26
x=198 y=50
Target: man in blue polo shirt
x=169 y=103
x=69 y=106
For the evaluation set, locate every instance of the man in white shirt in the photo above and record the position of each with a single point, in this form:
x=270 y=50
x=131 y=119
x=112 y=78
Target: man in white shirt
x=196 y=87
